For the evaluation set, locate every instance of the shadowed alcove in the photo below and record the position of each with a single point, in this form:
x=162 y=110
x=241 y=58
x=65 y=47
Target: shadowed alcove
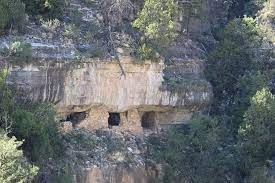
x=148 y=120
x=76 y=117
x=114 y=119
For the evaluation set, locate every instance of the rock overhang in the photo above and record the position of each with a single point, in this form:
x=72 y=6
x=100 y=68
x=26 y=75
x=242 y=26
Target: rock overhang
x=97 y=85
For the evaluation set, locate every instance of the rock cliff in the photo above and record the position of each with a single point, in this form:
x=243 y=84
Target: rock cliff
x=96 y=83
x=97 y=88
x=117 y=174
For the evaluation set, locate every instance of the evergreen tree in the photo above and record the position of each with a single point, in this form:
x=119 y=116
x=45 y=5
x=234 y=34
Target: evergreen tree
x=13 y=165
x=157 y=21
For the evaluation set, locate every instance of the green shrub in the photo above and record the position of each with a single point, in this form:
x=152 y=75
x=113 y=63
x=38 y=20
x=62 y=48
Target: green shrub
x=266 y=18
x=76 y=17
x=18 y=49
x=205 y=150
x=195 y=153
x=6 y=101
x=257 y=132
x=259 y=175
x=47 y=8
x=91 y=29
x=71 y=31
x=234 y=57
x=145 y=52
x=5 y=18
x=14 y=166
x=12 y=13
x=246 y=87
x=50 y=25
x=157 y=21
x=65 y=175
x=81 y=140
x=21 y=49
x=36 y=124
x=96 y=52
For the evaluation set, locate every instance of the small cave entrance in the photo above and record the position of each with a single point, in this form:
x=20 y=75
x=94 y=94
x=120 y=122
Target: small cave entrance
x=76 y=117
x=114 y=119
x=148 y=120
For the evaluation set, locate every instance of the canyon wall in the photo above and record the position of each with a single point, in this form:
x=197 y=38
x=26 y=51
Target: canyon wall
x=98 y=88
x=117 y=174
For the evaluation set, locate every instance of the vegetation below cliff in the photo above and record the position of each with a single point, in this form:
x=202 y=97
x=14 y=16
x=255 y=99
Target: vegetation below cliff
x=232 y=142
x=235 y=141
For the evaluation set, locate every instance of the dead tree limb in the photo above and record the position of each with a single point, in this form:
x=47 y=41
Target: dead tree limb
x=118 y=6
x=115 y=53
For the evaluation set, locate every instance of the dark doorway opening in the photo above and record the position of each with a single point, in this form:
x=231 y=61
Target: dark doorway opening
x=76 y=117
x=148 y=120
x=114 y=119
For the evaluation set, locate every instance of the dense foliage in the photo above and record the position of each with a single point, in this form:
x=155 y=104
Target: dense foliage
x=205 y=152
x=236 y=60
x=35 y=124
x=257 y=132
x=157 y=21
x=197 y=153
x=266 y=18
x=47 y=8
x=236 y=142
x=13 y=165
x=6 y=101
x=12 y=13
x=192 y=152
x=32 y=123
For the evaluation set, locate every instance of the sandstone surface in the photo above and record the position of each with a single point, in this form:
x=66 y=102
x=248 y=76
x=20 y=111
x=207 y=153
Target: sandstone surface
x=97 y=88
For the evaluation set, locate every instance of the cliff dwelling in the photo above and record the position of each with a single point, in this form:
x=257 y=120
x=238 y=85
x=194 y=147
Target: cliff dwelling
x=115 y=75
x=96 y=97
x=114 y=119
x=76 y=118
x=134 y=120
x=148 y=120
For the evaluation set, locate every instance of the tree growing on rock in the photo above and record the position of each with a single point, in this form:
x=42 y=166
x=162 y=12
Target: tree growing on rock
x=157 y=21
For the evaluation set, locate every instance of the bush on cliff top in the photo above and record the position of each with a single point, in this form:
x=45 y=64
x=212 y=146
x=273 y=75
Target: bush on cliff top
x=156 y=21
x=47 y=8
x=12 y=14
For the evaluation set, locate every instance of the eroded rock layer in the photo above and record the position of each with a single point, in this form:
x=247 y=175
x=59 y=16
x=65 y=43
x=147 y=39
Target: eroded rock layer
x=97 y=88
x=118 y=174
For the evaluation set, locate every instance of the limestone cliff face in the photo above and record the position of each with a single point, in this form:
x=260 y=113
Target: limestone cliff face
x=92 y=93
x=97 y=88
x=117 y=174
